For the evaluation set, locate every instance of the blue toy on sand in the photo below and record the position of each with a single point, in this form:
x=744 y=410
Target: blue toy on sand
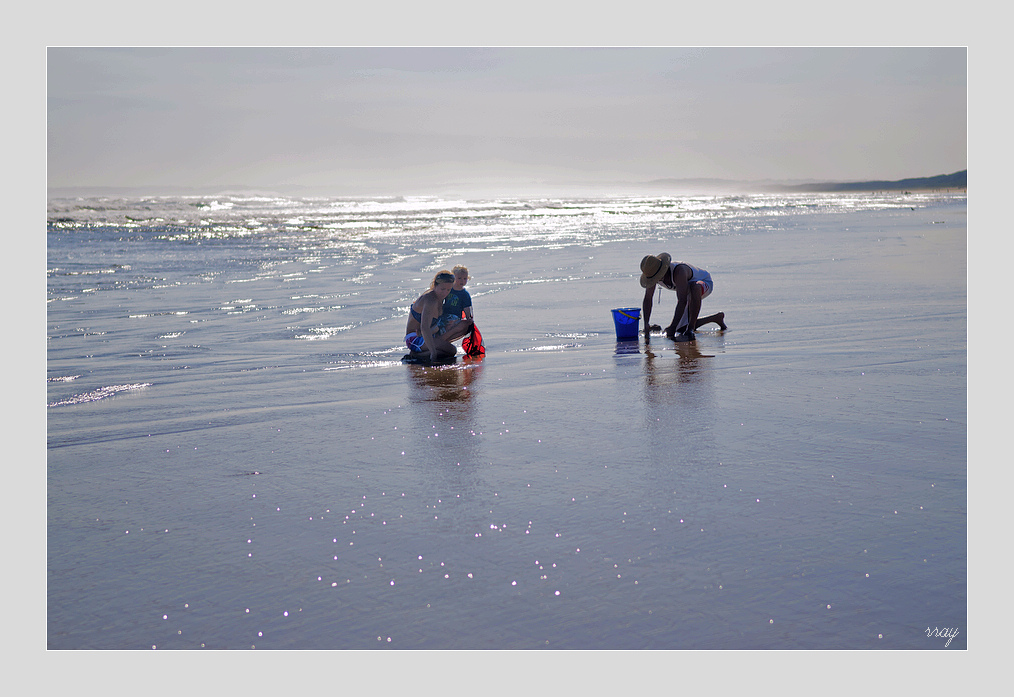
x=627 y=320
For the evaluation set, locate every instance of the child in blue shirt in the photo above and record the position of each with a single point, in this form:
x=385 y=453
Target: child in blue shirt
x=459 y=301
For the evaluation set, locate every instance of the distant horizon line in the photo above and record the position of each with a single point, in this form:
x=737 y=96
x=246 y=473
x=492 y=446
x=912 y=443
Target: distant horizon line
x=689 y=185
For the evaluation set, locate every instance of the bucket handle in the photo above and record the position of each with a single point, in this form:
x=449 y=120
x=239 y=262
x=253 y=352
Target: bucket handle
x=630 y=316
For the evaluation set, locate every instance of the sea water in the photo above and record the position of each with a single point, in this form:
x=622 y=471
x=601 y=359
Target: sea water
x=237 y=457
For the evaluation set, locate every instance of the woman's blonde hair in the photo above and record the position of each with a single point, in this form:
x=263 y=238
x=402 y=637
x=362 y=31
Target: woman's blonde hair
x=444 y=276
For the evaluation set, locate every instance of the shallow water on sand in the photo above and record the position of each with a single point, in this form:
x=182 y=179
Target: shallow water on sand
x=798 y=481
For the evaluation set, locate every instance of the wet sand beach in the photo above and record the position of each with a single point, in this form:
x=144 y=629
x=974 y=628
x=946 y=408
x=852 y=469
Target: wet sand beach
x=796 y=482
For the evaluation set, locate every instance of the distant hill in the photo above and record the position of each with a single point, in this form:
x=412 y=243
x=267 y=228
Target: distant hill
x=958 y=180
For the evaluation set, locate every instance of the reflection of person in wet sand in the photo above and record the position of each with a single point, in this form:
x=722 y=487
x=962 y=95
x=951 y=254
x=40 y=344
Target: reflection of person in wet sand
x=689 y=366
x=691 y=285
x=444 y=400
x=429 y=331
x=679 y=398
x=445 y=384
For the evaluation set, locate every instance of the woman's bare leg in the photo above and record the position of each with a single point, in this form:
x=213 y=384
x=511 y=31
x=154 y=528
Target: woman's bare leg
x=457 y=330
x=718 y=318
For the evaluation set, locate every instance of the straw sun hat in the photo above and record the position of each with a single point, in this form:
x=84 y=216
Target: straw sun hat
x=653 y=268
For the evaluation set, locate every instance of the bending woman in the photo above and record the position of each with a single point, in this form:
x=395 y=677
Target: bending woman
x=430 y=331
x=691 y=284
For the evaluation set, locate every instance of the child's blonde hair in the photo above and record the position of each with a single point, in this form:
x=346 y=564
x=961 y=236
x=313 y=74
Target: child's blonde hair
x=459 y=268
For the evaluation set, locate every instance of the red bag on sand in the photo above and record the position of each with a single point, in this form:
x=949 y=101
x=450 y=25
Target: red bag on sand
x=472 y=344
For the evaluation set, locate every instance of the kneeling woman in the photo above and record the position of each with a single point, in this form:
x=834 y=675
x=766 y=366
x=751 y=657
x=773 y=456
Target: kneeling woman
x=428 y=331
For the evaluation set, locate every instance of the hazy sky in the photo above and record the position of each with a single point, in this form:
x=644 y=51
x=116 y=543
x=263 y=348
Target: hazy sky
x=387 y=120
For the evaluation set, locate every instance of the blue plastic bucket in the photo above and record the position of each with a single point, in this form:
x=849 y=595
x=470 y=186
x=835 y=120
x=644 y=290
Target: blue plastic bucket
x=626 y=320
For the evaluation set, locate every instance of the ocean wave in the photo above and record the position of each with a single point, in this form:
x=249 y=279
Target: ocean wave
x=316 y=333
x=101 y=393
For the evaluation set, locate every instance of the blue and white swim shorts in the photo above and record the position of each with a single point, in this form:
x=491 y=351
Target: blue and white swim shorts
x=414 y=342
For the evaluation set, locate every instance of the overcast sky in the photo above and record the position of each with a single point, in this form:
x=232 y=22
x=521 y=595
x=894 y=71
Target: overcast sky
x=388 y=120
